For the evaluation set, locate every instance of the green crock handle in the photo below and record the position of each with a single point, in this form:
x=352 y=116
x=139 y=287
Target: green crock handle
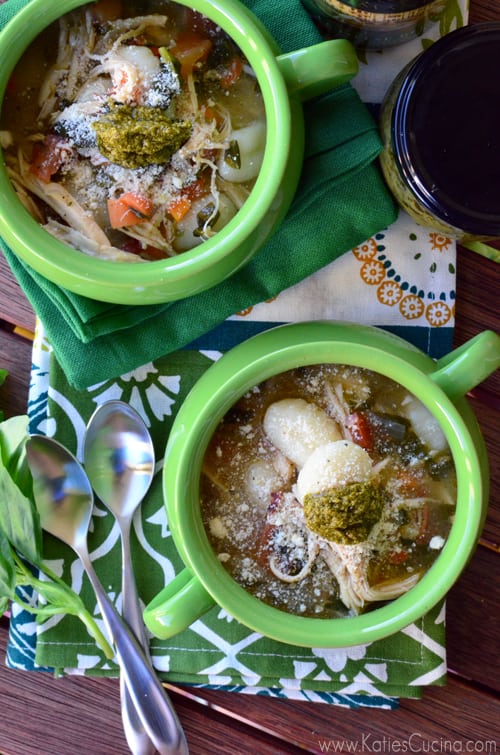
x=177 y=606
x=315 y=70
x=468 y=365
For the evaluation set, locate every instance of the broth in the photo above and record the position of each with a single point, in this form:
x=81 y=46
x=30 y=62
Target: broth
x=135 y=134
x=327 y=490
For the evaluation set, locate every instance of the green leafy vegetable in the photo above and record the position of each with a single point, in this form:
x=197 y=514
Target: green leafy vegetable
x=21 y=560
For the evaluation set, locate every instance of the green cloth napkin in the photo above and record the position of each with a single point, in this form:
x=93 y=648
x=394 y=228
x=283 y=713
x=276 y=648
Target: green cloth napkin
x=215 y=650
x=341 y=201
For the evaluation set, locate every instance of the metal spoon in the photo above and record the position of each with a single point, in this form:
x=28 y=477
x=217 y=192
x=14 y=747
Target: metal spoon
x=119 y=460
x=64 y=499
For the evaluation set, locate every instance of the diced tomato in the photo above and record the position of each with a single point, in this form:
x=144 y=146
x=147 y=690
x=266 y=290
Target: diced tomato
x=232 y=72
x=360 y=429
x=133 y=246
x=411 y=483
x=189 y=49
x=197 y=189
x=398 y=557
x=47 y=158
x=153 y=253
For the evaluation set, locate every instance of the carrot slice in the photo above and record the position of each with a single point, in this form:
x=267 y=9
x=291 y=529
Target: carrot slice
x=122 y=215
x=179 y=207
x=190 y=49
x=129 y=209
x=141 y=204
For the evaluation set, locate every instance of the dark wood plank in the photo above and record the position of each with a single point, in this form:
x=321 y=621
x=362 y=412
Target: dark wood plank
x=225 y=723
x=472 y=621
x=431 y=719
x=15 y=356
x=478 y=294
x=14 y=307
x=488 y=417
x=483 y=10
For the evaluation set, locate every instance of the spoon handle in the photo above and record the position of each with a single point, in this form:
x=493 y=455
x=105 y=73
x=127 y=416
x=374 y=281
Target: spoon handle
x=135 y=733
x=148 y=696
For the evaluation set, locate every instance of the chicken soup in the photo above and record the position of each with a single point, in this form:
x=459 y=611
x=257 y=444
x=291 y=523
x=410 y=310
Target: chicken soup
x=133 y=130
x=328 y=490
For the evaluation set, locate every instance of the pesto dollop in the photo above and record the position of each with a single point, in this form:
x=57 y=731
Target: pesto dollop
x=134 y=137
x=345 y=514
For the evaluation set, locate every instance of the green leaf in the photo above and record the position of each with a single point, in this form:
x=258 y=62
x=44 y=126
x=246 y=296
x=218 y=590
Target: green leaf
x=19 y=520
x=7 y=571
x=13 y=437
x=21 y=538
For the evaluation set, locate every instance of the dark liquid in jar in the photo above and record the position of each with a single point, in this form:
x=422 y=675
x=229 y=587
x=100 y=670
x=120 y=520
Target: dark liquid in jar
x=454 y=130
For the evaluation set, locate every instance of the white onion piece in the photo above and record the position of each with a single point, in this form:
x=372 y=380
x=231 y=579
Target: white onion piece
x=251 y=143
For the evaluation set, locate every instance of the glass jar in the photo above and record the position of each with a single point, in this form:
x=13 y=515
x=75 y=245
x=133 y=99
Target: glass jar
x=439 y=124
x=375 y=23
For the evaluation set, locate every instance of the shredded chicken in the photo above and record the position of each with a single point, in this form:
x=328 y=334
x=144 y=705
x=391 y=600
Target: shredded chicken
x=348 y=563
x=57 y=197
x=89 y=246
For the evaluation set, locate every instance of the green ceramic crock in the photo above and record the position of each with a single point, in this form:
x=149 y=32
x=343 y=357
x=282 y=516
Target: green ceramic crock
x=441 y=386
x=285 y=80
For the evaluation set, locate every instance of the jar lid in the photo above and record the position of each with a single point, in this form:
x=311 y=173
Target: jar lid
x=446 y=132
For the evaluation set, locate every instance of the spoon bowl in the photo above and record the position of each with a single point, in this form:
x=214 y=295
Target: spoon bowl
x=119 y=457
x=64 y=500
x=120 y=460
x=62 y=491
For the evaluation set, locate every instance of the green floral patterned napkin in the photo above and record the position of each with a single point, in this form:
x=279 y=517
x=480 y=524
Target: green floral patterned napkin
x=215 y=650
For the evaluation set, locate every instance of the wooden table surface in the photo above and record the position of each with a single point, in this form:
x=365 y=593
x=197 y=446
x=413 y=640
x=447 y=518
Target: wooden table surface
x=40 y=715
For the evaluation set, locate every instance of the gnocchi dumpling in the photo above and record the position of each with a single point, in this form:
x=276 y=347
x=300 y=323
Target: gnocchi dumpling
x=297 y=427
x=333 y=465
x=261 y=480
